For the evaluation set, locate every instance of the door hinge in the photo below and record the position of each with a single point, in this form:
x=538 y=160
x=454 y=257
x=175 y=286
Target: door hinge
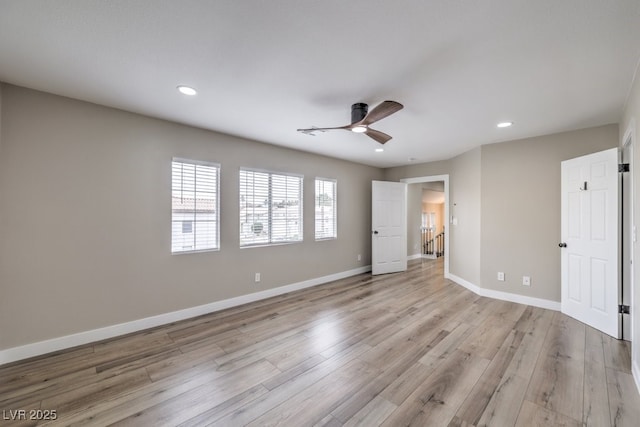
x=623 y=309
x=623 y=167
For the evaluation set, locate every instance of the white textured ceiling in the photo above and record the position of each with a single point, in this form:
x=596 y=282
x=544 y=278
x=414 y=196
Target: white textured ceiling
x=265 y=68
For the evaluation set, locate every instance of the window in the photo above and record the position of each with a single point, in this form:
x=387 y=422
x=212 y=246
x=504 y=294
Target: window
x=429 y=220
x=195 y=213
x=270 y=208
x=326 y=209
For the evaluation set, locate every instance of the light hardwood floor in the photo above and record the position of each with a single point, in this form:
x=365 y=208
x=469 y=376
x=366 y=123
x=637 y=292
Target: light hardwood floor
x=403 y=349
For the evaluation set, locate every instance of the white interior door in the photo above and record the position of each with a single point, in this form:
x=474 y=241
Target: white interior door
x=590 y=248
x=389 y=227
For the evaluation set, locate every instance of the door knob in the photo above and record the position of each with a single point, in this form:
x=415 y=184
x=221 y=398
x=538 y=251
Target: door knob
x=562 y=245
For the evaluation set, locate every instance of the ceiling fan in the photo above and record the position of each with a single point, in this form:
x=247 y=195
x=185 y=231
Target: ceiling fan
x=361 y=118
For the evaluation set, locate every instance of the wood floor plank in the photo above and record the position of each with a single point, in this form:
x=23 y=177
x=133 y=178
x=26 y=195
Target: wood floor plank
x=311 y=404
x=328 y=421
x=415 y=374
x=373 y=414
x=226 y=407
x=448 y=344
x=624 y=400
x=287 y=390
x=119 y=406
x=478 y=399
x=560 y=369
x=392 y=365
x=47 y=387
x=11 y=371
x=436 y=401
x=360 y=338
x=182 y=363
x=94 y=393
x=505 y=403
x=596 y=399
x=533 y=415
x=410 y=348
x=402 y=387
x=487 y=338
x=294 y=372
x=617 y=354
x=203 y=398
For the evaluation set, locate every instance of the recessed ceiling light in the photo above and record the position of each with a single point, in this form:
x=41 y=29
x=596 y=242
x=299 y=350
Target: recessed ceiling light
x=359 y=129
x=186 y=90
x=504 y=124
x=379 y=150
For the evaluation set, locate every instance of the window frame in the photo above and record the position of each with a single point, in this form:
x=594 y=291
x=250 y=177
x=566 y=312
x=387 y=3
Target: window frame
x=334 y=235
x=270 y=241
x=194 y=221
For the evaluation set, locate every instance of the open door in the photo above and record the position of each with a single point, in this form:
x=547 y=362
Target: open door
x=389 y=227
x=590 y=240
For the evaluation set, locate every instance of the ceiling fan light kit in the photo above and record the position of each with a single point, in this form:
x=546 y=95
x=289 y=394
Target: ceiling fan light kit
x=361 y=118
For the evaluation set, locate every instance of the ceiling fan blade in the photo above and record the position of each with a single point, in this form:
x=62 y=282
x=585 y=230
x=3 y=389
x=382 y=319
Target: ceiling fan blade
x=381 y=111
x=380 y=137
x=322 y=129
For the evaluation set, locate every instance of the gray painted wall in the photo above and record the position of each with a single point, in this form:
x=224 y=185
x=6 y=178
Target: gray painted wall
x=521 y=208
x=85 y=218
x=464 y=237
x=418 y=170
x=506 y=199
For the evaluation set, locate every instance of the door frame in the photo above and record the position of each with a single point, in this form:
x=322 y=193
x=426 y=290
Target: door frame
x=628 y=141
x=447 y=221
x=629 y=207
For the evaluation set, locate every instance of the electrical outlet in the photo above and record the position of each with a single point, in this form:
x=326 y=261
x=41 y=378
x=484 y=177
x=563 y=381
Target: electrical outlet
x=359 y=257
x=501 y=276
x=257 y=277
x=526 y=281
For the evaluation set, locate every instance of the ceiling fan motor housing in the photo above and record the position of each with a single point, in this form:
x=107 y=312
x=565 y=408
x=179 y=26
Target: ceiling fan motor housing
x=358 y=112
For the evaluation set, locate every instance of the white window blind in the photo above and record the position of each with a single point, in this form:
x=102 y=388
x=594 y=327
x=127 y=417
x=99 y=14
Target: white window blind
x=326 y=209
x=270 y=208
x=195 y=214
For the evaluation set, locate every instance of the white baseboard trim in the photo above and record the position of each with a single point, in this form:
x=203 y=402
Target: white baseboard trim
x=414 y=256
x=43 y=347
x=505 y=296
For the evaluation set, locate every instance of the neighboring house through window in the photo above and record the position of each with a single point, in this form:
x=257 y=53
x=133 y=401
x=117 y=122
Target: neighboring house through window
x=270 y=208
x=326 y=209
x=195 y=214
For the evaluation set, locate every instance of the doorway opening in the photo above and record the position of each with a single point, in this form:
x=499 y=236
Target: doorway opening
x=427 y=218
x=427 y=241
